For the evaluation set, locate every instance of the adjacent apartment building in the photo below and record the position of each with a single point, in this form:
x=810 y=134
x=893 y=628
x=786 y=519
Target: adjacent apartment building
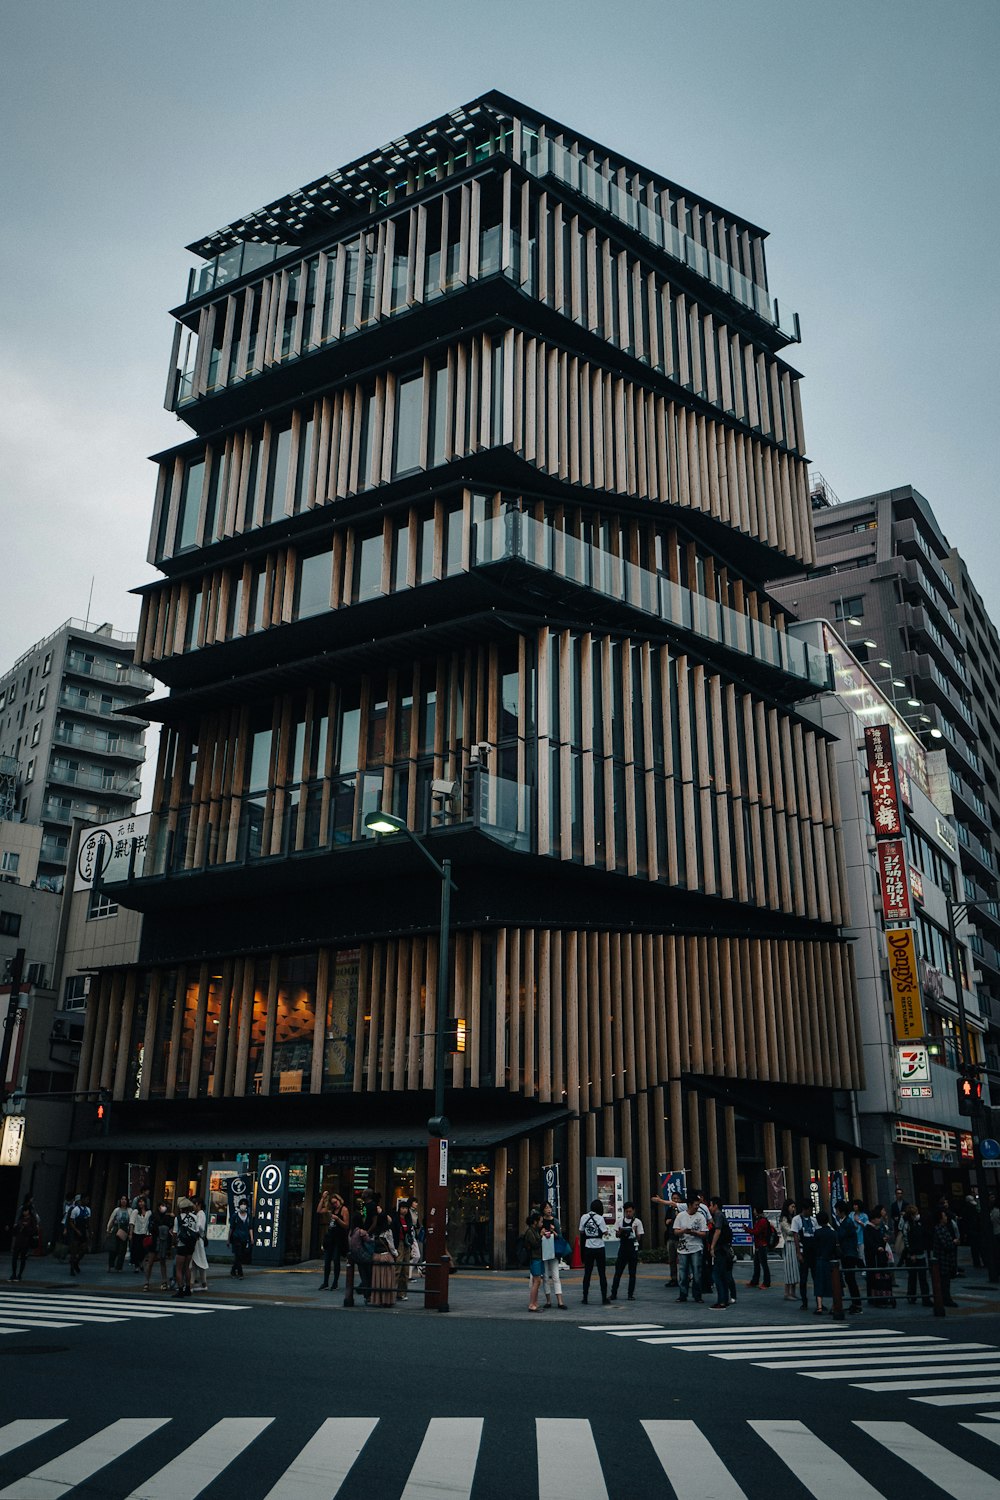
x=66 y=749
x=906 y=606
x=492 y=447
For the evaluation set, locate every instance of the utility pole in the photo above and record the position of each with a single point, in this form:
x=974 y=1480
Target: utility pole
x=969 y=1069
x=14 y=972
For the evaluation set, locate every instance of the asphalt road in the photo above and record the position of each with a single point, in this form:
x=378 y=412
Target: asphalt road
x=269 y=1390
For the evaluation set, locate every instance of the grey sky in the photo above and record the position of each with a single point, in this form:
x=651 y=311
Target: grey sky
x=863 y=136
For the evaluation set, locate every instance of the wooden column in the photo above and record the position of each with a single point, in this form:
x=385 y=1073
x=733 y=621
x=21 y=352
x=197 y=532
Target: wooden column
x=732 y=1163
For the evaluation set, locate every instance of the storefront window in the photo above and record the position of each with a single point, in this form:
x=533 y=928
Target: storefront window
x=470 y=1207
x=255 y=1075
x=295 y=1022
x=190 y=1003
x=402 y=1178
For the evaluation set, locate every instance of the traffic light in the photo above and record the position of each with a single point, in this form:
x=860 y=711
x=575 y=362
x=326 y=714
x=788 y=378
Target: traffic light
x=970 y=1094
x=454 y=1035
x=102 y=1113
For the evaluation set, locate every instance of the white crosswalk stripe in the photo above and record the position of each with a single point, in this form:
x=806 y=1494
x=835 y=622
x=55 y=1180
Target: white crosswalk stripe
x=22 y=1310
x=869 y=1359
x=445 y=1465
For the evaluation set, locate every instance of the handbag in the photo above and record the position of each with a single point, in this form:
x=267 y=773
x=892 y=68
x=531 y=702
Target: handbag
x=562 y=1247
x=147 y=1242
x=121 y=1234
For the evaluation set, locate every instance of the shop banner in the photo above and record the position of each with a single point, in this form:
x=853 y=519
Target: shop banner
x=673 y=1182
x=776 y=1193
x=883 y=782
x=904 y=983
x=740 y=1216
x=892 y=869
x=550 y=1189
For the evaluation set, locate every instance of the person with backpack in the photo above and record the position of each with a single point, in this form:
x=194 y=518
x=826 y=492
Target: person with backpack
x=804 y=1234
x=116 y=1234
x=240 y=1239
x=723 y=1256
x=846 y=1231
x=186 y=1236
x=630 y=1232
x=78 y=1233
x=591 y=1231
x=762 y=1238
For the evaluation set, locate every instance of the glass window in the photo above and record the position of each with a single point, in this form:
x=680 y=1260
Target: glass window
x=454 y=531
x=190 y=505
x=365 y=441
x=47 y=664
x=258 y=590
x=349 y=733
x=409 y=410
x=312 y=588
x=367 y=567
x=341 y=1014
x=233 y=610
x=10 y=862
x=437 y=437
x=304 y=464
x=10 y=923
x=75 y=991
x=193 y=620
x=291 y=1062
x=277 y=473
x=100 y=905
x=848 y=609
x=400 y=555
x=260 y=759
x=425 y=552
x=43 y=693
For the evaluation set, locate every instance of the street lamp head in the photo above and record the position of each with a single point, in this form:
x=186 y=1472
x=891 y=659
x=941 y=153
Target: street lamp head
x=914 y=702
x=936 y=734
x=383 y=823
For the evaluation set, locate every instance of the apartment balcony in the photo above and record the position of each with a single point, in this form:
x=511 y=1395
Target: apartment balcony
x=922 y=629
x=94 y=706
x=100 y=742
x=933 y=686
x=53 y=853
x=121 y=674
x=958 y=744
x=64 y=810
x=92 y=778
x=970 y=806
x=920 y=589
x=909 y=541
x=973 y=848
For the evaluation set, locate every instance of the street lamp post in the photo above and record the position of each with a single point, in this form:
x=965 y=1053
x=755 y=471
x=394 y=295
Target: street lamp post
x=957 y=909
x=437 y=1260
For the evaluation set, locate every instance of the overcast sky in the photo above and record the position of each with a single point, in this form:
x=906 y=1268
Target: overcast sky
x=862 y=135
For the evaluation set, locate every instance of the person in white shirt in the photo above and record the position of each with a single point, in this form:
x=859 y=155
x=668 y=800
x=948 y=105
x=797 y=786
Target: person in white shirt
x=690 y=1229
x=630 y=1232
x=591 y=1231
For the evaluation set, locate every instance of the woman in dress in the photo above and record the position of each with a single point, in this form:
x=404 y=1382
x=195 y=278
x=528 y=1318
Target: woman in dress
x=199 y=1261
x=383 y=1268
x=790 y=1259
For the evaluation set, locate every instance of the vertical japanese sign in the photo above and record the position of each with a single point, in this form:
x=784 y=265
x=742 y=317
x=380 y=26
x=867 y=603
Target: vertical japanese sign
x=904 y=982
x=892 y=870
x=883 y=782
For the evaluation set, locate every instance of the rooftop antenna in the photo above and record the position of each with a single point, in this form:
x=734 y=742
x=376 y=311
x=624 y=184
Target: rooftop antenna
x=90 y=601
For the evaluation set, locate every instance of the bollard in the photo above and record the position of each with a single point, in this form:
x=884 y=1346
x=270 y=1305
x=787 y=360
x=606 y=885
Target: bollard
x=349 y=1285
x=436 y=1275
x=936 y=1294
x=838 y=1291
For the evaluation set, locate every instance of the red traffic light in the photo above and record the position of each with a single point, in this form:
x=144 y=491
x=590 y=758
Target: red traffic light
x=970 y=1094
x=100 y=1112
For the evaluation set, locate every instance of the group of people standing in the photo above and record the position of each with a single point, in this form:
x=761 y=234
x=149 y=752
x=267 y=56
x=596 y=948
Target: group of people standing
x=871 y=1244
x=172 y=1239
x=385 y=1249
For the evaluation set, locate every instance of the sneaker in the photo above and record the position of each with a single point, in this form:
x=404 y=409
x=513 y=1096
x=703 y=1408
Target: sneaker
x=720 y=1306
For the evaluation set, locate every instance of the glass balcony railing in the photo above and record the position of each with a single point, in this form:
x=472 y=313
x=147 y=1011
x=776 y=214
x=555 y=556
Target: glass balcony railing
x=91 y=703
x=517 y=536
x=108 y=671
x=310 y=818
x=546 y=158
x=94 y=779
x=231 y=265
x=101 y=742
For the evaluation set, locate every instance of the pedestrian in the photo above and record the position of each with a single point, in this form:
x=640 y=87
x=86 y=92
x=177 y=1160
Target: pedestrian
x=138 y=1228
x=824 y=1247
x=592 y=1231
x=789 y=1253
x=915 y=1247
x=671 y=1208
x=23 y=1241
x=404 y=1234
x=198 y=1268
x=761 y=1230
x=944 y=1246
x=419 y=1236
x=548 y=1229
x=533 y=1250
x=116 y=1234
x=158 y=1248
x=723 y=1256
x=240 y=1239
x=691 y=1233
x=186 y=1238
x=846 y=1232
x=78 y=1232
x=562 y=1244
x=334 y=1240
x=804 y=1234
x=360 y=1252
x=896 y=1209
x=629 y=1231
x=383 y=1264
x=972 y=1227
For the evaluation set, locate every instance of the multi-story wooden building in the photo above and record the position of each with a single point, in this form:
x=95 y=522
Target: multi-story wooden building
x=492 y=449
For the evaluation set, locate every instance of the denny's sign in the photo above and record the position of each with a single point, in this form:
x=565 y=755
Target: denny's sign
x=904 y=982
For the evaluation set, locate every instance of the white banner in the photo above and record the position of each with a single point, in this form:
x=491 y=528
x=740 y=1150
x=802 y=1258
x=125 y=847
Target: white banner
x=12 y=1140
x=112 y=845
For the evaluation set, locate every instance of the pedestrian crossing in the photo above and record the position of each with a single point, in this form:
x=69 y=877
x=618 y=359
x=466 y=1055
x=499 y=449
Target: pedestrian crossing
x=926 y=1368
x=20 y=1311
x=570 y=1460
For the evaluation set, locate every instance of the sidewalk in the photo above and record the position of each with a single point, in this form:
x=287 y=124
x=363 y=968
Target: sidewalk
x=503 y=1294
